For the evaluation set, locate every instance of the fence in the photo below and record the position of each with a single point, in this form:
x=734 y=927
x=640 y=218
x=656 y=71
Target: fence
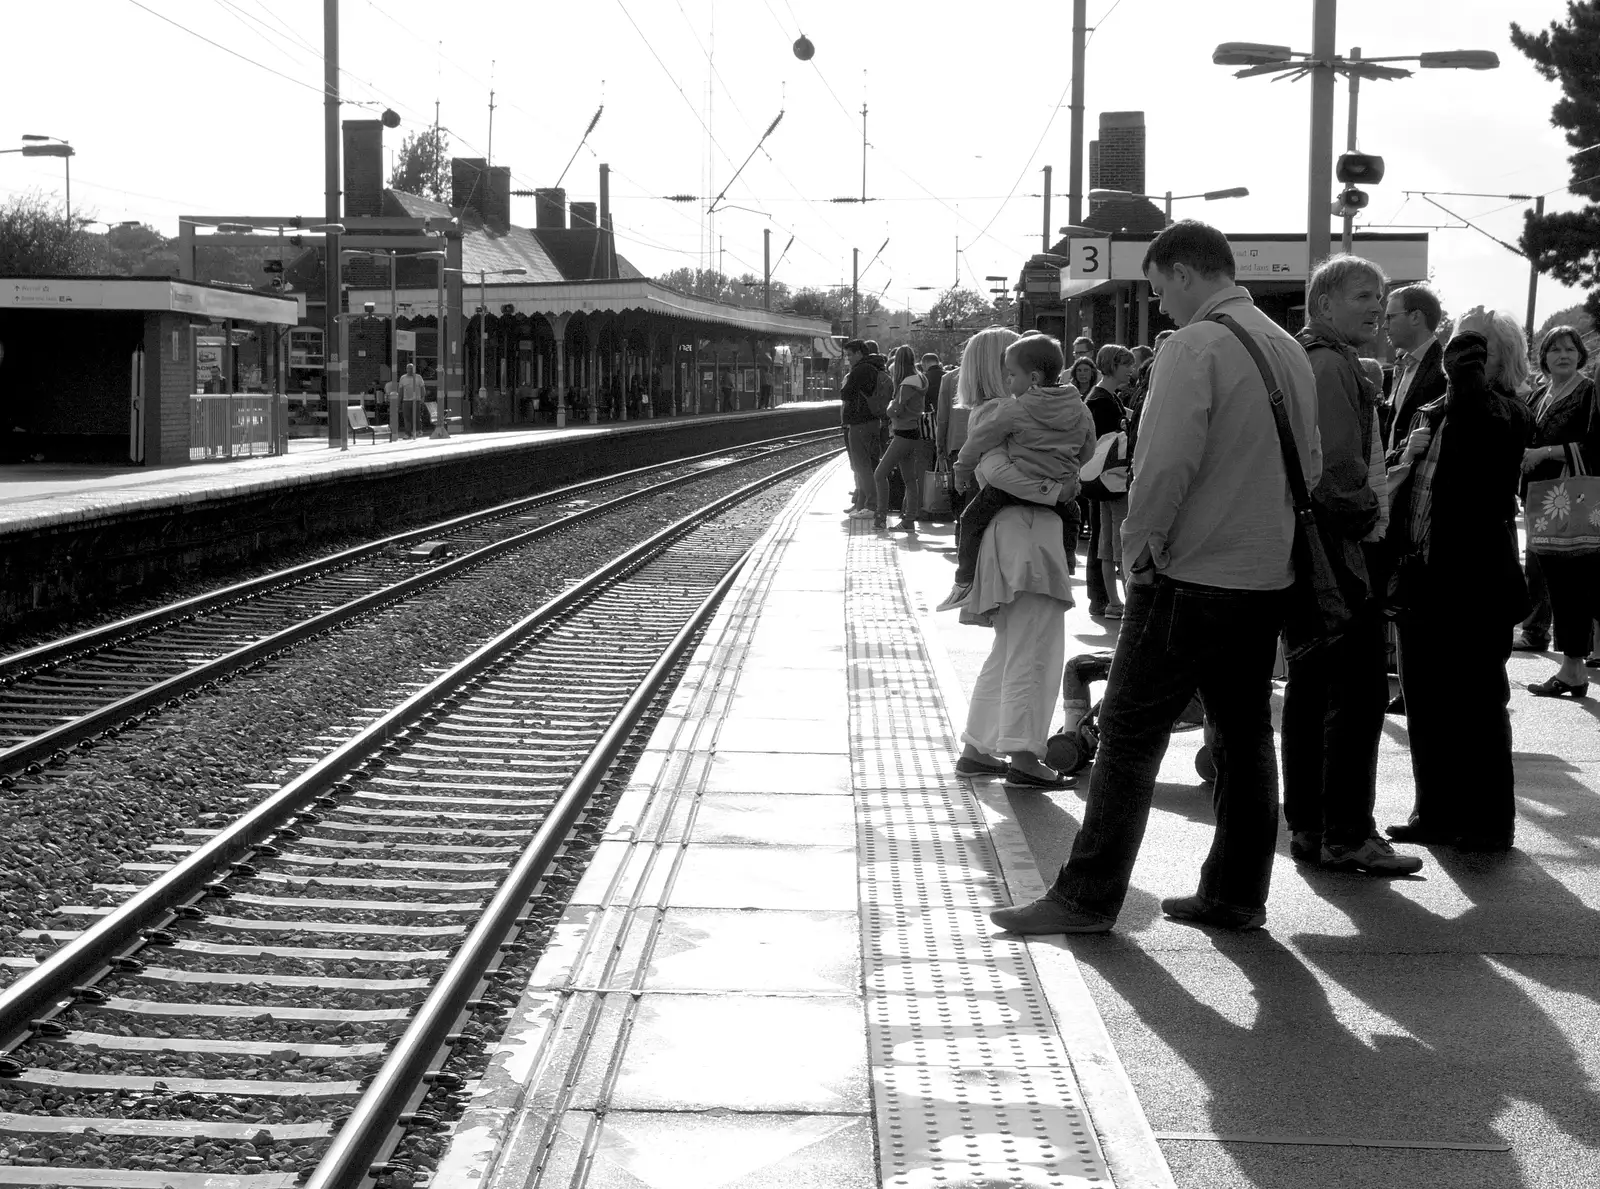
x=237 y=425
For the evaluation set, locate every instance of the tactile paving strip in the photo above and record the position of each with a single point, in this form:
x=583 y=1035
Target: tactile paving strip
x=971 y=1084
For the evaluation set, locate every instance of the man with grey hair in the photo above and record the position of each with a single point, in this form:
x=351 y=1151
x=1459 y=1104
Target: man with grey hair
x=1334 y=703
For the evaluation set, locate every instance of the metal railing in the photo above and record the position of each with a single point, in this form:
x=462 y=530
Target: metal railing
x=237 y=425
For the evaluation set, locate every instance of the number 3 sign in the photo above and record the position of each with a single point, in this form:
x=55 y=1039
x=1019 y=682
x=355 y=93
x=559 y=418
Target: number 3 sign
x=1090 y=259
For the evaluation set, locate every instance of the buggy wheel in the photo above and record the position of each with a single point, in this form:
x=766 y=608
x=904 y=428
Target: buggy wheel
x=1205 y=765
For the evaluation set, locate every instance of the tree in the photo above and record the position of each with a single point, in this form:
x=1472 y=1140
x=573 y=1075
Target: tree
x=140 y=251
x=36 y=241
x=1566 y=244
x=833 y=305
x=714 y=286
x=423 y=165
x=958 y=307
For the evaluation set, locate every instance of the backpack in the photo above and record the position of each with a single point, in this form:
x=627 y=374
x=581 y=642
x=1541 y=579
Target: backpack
x=1105 y=476
x=882 y=394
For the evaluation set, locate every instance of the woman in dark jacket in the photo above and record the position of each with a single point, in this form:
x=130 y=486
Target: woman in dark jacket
x=1454 y=518
x=1564 y=414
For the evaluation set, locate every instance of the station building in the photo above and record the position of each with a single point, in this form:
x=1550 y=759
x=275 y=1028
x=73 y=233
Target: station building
x=1090 y=282
x=128 y=369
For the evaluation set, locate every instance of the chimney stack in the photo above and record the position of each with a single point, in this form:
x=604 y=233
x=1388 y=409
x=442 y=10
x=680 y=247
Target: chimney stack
x=584 y=216
x=1116 y=160
x=606 y=266
x=363 y=168
x=550 y=209
x=497 y=203
x=469 y=185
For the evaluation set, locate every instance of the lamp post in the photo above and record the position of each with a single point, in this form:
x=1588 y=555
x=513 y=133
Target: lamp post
x=1169 y=197
x=1323 y=64
x=483 y=319
x=56 y=147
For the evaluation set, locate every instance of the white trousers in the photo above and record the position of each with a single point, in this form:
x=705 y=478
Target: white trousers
x=1015 y=697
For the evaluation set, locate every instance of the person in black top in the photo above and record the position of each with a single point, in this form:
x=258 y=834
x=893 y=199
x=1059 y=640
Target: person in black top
x=1454 y=522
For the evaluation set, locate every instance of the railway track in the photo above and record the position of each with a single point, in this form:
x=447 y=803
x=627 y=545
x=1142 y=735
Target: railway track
x=65 y=693
x=277 y=1001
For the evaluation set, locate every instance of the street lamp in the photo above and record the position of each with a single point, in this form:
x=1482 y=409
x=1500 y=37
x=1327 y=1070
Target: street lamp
x=483 y=319
x=55 y=148
x=1169 y=197
x=1323 y=64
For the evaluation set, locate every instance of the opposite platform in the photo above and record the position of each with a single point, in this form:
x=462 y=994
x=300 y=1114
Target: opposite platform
x=70 y=545
x=779 y=969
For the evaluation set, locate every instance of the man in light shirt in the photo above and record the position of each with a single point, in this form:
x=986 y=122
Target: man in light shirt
x=1209 y=531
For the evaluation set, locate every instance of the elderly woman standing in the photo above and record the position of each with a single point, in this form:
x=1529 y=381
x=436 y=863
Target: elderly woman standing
x=1565 y=414
x=1022 y=591
x=1454 y=518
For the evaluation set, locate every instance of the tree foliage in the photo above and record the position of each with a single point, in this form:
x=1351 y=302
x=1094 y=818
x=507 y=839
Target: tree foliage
x=423 y=165
x=957 y=307
x=35 y=240
x=1566 y=244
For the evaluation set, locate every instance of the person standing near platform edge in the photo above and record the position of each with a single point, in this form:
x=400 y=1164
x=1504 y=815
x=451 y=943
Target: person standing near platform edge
x=860 y=424
x=1209 y=530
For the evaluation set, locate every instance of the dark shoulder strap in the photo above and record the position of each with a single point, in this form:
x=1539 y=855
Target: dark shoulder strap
x=1280 y=416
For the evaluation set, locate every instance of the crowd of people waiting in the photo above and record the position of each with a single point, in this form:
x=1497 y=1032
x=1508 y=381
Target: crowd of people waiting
x=1413 y=476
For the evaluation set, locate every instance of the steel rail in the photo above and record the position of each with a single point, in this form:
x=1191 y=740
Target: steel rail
x=44 y=745
x=374 y=1122
x=53 y=652
x=46 y=990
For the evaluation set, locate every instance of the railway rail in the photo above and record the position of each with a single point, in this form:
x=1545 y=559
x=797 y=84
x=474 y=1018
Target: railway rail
x=277 y=1003
x=66 y=693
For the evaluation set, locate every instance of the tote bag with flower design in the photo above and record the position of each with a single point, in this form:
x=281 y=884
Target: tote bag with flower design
x=1563 y=515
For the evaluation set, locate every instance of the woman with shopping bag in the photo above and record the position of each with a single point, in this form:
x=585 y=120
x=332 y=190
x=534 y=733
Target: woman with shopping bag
x=1562 y=506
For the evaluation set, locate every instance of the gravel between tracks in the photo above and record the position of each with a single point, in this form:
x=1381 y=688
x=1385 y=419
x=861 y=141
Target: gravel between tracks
x=68 y=828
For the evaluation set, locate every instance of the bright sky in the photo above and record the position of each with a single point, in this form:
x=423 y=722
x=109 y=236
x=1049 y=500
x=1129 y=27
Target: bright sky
x=966 y=103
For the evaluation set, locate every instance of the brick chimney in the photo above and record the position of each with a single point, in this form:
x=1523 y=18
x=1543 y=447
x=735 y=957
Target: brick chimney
x=497 y=206
x=550 y=209
x=469 y=185
x=585 y=215
x=1116 y=160
x=363 y=168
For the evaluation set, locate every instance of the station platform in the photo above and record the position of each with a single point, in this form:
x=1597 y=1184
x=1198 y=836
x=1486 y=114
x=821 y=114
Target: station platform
x=779 y=969
x=43 y=496
x=73 y=539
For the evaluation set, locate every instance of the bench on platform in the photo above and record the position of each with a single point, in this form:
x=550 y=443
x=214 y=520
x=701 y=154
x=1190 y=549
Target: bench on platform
x=356 y=415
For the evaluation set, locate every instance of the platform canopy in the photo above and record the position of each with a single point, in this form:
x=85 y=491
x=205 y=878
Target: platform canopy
x=161 y=294
x=623 y=295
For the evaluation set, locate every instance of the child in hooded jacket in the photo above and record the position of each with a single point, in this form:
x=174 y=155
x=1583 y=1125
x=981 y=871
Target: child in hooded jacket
x=1025 y=448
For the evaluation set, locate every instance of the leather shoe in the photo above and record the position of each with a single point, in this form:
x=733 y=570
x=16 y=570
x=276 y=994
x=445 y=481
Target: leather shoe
x=1305 y=846
x=1419 y=833
x=1195 y=910
x=1047 y=916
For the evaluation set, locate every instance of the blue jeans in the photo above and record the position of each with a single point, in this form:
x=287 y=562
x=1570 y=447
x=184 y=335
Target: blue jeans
x=1178 y=638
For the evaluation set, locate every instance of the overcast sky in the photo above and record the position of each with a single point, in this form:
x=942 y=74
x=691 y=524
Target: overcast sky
x=966 y=103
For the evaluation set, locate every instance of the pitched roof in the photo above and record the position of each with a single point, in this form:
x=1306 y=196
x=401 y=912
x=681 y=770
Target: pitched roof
x=1135 y=215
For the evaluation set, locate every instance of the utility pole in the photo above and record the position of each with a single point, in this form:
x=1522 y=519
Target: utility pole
x=863 y=151
x=1320 y=180
x=1533 y=273
x=766 y=268
x=855 y=293
x=1045 y=246
x=1348 y=239
x=332 y=357
x=721 y=267
x=956 y=284
x=1080 y=18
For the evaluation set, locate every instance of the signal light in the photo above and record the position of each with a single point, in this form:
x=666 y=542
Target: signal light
x=1359 y=169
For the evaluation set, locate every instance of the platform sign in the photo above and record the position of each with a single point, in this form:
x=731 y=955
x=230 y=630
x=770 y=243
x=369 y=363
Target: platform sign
x=1089 y=259
x=405 y=340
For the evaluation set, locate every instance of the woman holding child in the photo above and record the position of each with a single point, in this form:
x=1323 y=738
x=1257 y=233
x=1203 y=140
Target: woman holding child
x=904 y=449
x=1027 y=437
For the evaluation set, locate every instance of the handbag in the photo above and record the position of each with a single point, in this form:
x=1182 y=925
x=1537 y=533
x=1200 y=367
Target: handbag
x=1318 y=610
x=1105 y=475
x=936 y=489
x=1563 y=515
